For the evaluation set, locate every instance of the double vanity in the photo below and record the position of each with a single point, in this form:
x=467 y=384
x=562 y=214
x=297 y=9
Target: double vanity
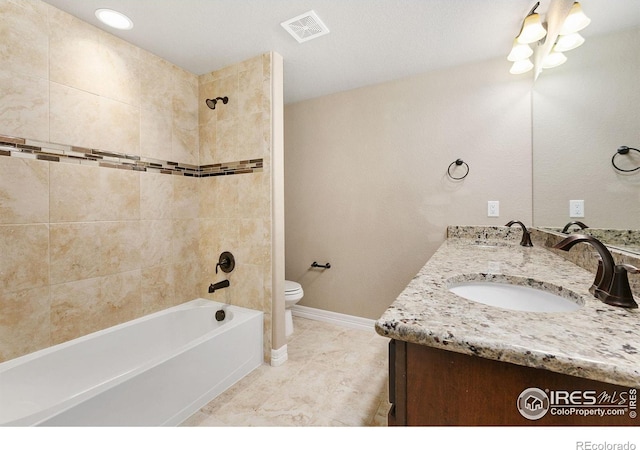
x=490 y=332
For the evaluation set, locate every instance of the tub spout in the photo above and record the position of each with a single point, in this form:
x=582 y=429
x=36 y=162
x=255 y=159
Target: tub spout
x=219 y=285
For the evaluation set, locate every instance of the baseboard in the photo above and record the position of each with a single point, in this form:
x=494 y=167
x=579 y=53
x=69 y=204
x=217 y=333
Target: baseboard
x=359 y=323
x=279 y=356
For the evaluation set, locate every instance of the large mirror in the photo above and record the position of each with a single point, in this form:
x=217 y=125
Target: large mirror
x=583 y=111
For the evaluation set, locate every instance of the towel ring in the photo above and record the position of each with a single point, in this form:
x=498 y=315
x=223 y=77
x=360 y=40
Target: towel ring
x=623 y=151
x=458 y=162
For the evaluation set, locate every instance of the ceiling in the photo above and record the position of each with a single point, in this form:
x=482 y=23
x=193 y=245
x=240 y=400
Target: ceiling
x=370 y=41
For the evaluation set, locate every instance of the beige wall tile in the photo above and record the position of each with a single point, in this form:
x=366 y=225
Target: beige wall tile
x=158 y=290
x=119 y=127
x=81 y=193
x=24 y=37
x=85 y=306
x=24 y=110
x=184 y=145
x=120 y=70
x=156 y=83
x=254 y=241
x=156 y=196
x=246 y=288
x=92 y=249
x=121 y=298
x=24 y=322
x=250 y=143
x=76 y=251
x=88 y=120
x=74 y=117
x=75 y=52
x=25 y=257
x=253 y=195
x=185 y=240
x=155 y=134
x=119 y=246
x=75 y=309
x=185 y=198
x=87 y=58
x=156 y=238
x=186 y=282
x=226 y=141
x=24 y=191
x=250 y=88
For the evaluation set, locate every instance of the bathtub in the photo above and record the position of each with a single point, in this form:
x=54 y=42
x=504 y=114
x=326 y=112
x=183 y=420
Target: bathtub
x=155 y=370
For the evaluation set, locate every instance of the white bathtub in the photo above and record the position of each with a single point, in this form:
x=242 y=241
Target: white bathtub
x=155 y=370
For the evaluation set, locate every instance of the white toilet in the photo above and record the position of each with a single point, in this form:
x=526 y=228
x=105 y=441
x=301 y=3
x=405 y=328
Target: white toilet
x=292 y=294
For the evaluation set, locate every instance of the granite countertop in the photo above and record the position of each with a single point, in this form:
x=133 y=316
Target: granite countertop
x=597 y=341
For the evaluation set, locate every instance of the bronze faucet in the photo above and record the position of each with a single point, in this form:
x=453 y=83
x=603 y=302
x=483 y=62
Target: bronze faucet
x=574 y=222
x=612 y=283
x=526 y=236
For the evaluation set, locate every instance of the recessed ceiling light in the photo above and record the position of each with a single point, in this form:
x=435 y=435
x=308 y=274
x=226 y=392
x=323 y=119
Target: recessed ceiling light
x=114 y=19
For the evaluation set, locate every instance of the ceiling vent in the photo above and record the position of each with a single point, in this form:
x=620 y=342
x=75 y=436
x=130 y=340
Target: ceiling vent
x=305 y=27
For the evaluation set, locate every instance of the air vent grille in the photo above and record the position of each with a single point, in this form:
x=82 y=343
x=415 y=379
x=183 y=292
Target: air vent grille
x=305 y=27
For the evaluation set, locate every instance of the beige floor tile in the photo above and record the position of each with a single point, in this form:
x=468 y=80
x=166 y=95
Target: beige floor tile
x=335 y=377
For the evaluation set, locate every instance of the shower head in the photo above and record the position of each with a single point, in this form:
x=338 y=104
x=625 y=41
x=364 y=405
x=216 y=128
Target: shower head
x=211 y=102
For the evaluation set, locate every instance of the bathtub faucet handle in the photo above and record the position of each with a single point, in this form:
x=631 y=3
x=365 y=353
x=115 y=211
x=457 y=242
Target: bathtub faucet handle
x=226 y=262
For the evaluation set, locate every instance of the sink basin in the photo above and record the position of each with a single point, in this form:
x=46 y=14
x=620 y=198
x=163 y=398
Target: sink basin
x=516 y=297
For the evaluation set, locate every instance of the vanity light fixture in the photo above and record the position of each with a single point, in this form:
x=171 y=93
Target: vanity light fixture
x=532 y=29
x=576 y=20
x=114 y=19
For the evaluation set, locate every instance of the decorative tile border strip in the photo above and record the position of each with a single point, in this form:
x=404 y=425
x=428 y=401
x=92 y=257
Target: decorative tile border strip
x=44 y=151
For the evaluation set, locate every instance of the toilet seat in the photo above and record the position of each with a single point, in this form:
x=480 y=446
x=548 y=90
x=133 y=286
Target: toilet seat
x=292 y=290
x=292 y=294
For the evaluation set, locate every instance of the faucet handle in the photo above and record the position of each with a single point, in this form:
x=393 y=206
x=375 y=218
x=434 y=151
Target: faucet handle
x=629 y=268
x=619 y=293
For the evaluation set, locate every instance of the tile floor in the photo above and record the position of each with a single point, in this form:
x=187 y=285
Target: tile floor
x=335 y=376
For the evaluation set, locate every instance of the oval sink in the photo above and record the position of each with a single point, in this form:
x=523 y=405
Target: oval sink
x=513 y=296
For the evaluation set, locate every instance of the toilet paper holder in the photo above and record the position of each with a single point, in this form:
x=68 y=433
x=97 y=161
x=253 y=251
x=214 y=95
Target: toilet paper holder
x=321 y=266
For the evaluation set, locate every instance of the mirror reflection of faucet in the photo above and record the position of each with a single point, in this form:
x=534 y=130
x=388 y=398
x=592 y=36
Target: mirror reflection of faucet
x=611 y=284
x=574 y=222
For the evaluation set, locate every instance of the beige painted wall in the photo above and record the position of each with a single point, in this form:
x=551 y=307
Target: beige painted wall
x=84 y=247
x=582 y=112
x=366 y=184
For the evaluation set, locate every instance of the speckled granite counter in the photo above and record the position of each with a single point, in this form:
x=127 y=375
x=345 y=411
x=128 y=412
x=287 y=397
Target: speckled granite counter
x=597 y=341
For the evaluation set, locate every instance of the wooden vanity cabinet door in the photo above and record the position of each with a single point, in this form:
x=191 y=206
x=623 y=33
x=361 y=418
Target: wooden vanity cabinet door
x=437 y=387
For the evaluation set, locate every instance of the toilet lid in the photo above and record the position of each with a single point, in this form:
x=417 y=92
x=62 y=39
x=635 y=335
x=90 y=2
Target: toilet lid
x=291 y=287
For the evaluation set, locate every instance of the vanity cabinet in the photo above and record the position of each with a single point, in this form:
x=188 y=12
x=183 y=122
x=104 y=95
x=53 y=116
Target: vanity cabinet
x=430 y=386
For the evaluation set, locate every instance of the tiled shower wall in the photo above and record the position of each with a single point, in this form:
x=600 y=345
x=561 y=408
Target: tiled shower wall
x=83 y=245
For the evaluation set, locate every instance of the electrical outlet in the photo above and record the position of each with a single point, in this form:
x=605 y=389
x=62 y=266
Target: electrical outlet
x=576 y=208
x=493 y=208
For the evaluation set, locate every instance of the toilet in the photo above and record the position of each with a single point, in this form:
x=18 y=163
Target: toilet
x=292 y=295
